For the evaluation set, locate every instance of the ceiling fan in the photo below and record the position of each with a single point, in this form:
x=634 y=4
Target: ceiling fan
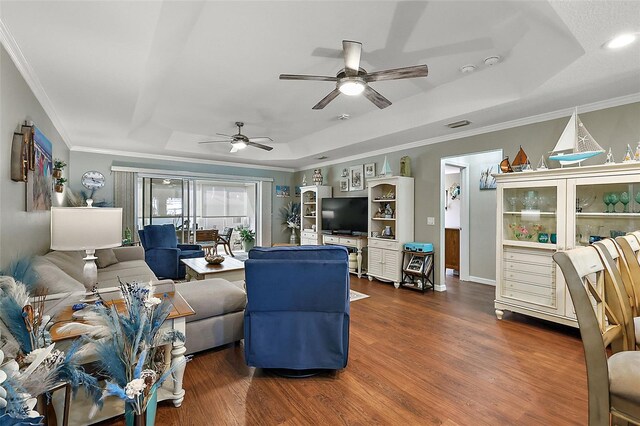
x=353 y=80
x=240 y=141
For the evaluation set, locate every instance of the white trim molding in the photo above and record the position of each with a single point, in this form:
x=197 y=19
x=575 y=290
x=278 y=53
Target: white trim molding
x=182 y=173
x=480 y=280
x=177 y=159
x=32 y=80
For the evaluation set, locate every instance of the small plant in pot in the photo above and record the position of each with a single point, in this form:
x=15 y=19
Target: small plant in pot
x=248 y=238
x=59 y=187
x=58 y=166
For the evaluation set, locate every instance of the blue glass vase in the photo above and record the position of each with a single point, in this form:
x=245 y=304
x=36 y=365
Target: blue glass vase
x=147 y=418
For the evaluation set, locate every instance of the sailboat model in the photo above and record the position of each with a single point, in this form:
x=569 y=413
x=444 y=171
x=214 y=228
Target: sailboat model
x=575 y=144
x=519 y=161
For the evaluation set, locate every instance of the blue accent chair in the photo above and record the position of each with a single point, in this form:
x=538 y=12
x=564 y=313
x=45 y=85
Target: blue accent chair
x=163 y=253
x=297 y=314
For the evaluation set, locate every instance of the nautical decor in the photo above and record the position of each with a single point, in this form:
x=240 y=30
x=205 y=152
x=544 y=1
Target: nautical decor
x=405 y=166
x=386 y=168
x=317 y=176
x=576 y=139
x=636 y=156
x=610 y=159
x=542 y=165
x=628 y=155
x=505 y=166
x=519 y=163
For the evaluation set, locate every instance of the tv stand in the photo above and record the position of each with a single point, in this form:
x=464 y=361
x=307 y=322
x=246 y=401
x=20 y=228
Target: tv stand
x=357 y=242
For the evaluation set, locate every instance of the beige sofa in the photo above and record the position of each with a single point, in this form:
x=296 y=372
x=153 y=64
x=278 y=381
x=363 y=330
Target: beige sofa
x=62 y=271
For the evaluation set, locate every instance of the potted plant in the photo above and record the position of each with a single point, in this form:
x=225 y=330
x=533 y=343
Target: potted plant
x=248 y=238
x=58 y=166
x=59 y=187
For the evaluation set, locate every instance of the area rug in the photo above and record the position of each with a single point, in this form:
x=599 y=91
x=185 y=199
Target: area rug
x=355 y=295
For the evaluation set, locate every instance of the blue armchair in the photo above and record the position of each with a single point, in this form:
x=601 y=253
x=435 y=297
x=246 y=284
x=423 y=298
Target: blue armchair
x=297 y=314
x=163 y=253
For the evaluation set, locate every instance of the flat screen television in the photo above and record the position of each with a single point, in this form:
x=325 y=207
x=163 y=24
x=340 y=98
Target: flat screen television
x=347 y=215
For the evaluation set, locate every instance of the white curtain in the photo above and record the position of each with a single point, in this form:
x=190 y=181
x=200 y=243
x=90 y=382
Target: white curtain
x=125 y=197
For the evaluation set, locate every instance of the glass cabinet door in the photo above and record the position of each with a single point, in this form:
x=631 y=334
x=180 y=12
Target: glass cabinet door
x=530 y=215
x=604 y=207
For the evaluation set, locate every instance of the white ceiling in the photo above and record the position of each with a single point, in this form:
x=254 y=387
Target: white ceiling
x=157 y=77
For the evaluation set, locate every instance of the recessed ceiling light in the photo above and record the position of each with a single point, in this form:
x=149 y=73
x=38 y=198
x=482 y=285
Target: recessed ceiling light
x=492 y=60
x=467 y=68
x=620 y=41
x=322 y=157
x=344 y=117
x=457 y=124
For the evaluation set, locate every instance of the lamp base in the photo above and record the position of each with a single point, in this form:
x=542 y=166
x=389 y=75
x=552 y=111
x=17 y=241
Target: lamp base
x=90 y=270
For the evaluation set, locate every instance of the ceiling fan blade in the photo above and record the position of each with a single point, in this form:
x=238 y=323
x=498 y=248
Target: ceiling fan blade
x=375 y=97
x=325 y=52
x=323 y=103
x=261 y=139
x=234 y=149
x=307 y=77
x=352 y=51
x=259 y=145
x=398 y=73
x=226 y=136
x=214 y=142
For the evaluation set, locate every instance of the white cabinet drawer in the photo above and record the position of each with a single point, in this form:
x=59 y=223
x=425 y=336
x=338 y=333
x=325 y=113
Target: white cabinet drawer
x=308 y=242
x=378 y=243
x=331 y=239
x=529 y=288
x=548 y=301
x=528 y=268
x=348 y=241
x=538 y=256
x=539 y=280
x=307 y=234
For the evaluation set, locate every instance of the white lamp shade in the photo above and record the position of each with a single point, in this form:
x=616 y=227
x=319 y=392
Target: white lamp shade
x=85 y=228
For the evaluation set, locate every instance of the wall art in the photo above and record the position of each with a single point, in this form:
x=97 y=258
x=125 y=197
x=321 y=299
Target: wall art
x=344 y=185
x=370 y=170
x=39 y=181
x=357 y=178
x=283 y=191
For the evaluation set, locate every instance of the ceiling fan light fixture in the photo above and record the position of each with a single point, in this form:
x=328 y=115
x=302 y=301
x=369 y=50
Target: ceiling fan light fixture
x=620 y=41
x=351 y=86
x=239 y=145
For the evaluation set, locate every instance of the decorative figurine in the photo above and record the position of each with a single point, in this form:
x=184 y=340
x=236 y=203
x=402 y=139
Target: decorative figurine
x=520 y=161
x=304 y=180
x=388 y=211
x=575 y=138
x=405 y=166
x=542 y=165
x=628 y=155
x=636 y=156
x=317 y=176
x=610 y=159
x=505 y=166
x=386 y=168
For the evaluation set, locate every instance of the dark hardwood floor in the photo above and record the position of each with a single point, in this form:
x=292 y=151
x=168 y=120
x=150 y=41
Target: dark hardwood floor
x=433 y=358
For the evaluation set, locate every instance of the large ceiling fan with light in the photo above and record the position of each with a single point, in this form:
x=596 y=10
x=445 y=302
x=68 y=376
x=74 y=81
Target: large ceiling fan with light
x=240 y=141
x=353 y=80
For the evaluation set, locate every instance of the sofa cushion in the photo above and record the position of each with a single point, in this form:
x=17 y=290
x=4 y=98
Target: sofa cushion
x=52 y=278
x=130 y=270
x=69 y=261
x=105 y=257
x=212 y=297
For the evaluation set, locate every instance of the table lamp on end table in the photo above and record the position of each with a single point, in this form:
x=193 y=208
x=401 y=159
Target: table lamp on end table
x=88 y=229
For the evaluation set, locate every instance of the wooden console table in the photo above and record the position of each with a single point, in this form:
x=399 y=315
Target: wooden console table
x=352 y=241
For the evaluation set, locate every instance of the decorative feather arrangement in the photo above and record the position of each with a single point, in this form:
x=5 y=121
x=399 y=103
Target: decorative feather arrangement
x=22 y=271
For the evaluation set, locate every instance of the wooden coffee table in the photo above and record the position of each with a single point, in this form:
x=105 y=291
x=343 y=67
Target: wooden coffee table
x=198 y=269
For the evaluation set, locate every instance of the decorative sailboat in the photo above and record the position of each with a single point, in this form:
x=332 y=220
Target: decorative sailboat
x=505 y=167
x=520 y=161
x=576 y=139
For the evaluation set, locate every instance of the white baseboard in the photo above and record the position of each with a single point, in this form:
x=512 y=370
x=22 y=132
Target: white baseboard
x=440 y=287
x=480 y=280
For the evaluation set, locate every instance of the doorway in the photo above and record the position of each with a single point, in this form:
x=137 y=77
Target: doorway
x=452 y=218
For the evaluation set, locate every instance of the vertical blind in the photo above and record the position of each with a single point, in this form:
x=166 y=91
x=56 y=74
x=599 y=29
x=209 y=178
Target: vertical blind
x=125 y=187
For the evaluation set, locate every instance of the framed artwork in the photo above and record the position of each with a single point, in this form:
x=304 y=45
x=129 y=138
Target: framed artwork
x=370 y=170
x=40 y=182
x=344 y=185
x=357 y=178
x=486 y=180
x=283 y=191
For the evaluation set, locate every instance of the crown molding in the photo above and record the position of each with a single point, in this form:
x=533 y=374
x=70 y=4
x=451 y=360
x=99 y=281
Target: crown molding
x=30 y=77
x=178 y=159
x=565 y=112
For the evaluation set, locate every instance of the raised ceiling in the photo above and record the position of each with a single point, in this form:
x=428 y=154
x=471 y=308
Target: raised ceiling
x=154 y=78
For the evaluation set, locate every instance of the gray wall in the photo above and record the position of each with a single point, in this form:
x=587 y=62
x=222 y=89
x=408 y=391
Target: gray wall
x=81 y=162
x=22 y=233
x=612 y=127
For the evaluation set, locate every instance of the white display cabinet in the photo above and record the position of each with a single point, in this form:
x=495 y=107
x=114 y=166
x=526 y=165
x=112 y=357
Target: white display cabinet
x=310 y=208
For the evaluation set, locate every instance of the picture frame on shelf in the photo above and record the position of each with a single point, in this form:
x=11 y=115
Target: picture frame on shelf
x=370 y=170
x=344 y=185
x=357 y=178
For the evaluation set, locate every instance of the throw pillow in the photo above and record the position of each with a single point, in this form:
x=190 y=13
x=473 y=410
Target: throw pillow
x=105 y=257
x=53 y=278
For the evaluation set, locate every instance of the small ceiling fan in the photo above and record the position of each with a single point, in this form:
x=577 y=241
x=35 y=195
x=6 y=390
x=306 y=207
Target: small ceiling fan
x=240 y=141
x=353 y=80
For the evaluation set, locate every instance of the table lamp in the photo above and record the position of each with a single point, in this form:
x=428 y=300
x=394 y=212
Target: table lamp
x=88 y=229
